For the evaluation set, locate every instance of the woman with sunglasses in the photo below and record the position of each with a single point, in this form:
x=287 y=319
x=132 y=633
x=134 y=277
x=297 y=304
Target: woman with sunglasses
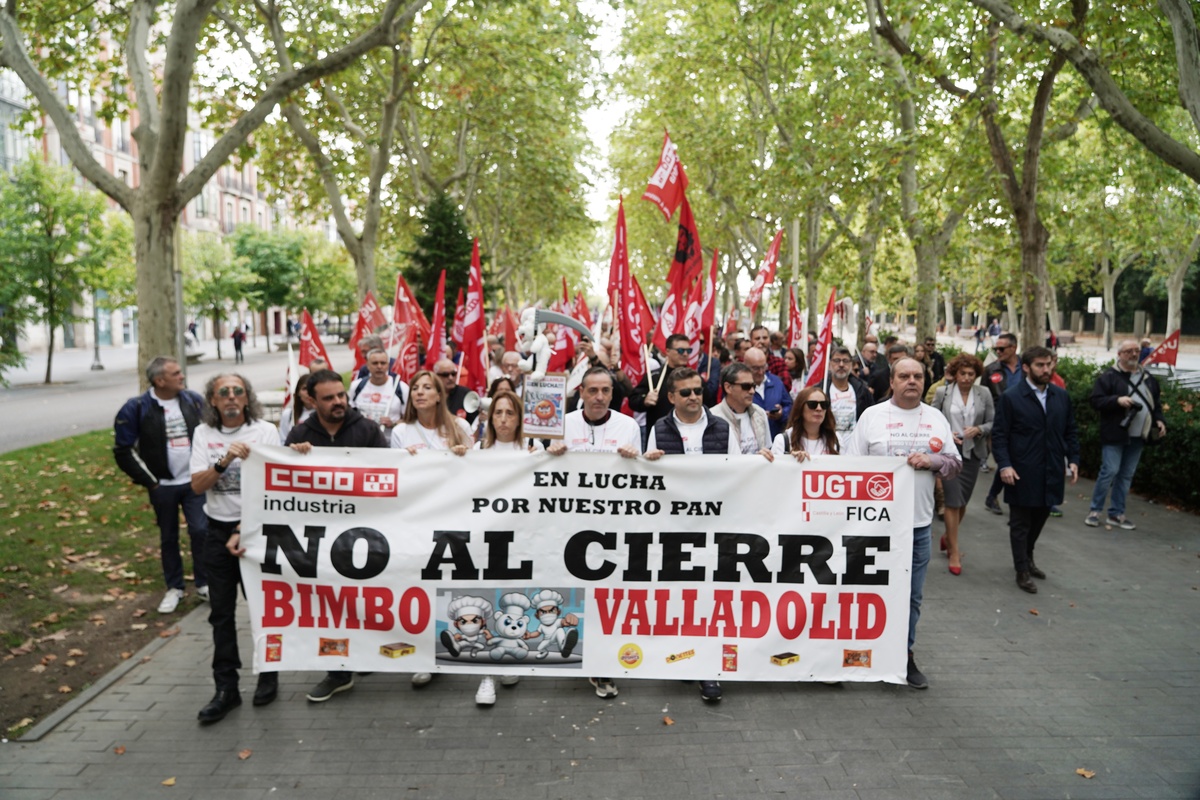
x=428 y=423
x=811 y=429
x=970 y=410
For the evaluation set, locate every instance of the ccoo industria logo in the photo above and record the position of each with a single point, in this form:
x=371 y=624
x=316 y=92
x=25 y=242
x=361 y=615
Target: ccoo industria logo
x=866 y=486
x=348 y=481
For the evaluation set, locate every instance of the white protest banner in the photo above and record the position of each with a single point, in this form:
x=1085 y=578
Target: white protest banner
x=719 y=567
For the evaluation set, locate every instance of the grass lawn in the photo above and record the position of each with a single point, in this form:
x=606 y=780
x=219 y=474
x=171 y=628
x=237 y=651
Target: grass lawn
x=80 y=575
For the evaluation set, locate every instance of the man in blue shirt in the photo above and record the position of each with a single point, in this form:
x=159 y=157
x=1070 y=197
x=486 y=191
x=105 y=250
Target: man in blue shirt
x=769 y=392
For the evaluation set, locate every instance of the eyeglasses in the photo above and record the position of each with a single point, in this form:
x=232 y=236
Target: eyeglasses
x=840 y=361
x=446 y=374
x=745 y=387
x=1000 y=348
x=227 y=391
x=688 y=392
x=815 y=404
x=683 y=351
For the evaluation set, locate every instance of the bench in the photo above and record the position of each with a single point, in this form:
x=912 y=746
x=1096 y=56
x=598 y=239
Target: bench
x=194 y=358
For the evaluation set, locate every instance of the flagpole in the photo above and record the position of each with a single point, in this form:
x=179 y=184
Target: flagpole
x=708 y=371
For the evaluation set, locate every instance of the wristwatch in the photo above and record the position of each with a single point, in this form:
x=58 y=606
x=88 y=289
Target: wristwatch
x=219 y=467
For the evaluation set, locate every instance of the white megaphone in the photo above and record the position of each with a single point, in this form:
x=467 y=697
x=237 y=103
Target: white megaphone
x=473 y=402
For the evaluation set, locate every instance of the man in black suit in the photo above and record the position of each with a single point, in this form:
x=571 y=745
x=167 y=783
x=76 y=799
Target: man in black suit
x=1032 y=435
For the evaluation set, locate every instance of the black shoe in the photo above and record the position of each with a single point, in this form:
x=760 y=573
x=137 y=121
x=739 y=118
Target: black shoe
x=993 y=505
x=1026 y=582
x=1035 y=572
x=710 y=691
x=267 y=689
x=330 y=685
x=916 y=678
x=569 y=644
x=224 y=701
x=451 y=646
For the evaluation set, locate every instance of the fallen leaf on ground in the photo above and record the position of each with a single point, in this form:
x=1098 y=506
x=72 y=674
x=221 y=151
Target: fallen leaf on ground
x=61 y=589
x=75 y=652
x=668 y=721
x=169 y=782
x=51 y=618
x=25 y=721
x=25 y=649
x=57 y=636
x=168 y=634
x=140 y=626
x=64 y=689
x=126 y=654
x=244 y=754
x=38 y=668
x=119 y=749
x=46 y=659
x=141 y=612
x=1087 y=773
x=1034 y=611
x=70 y=662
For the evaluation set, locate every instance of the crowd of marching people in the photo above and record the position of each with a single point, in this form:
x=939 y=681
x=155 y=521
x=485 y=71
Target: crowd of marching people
x=749 y=395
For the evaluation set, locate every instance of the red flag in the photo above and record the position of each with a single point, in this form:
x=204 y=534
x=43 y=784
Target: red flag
x=310 y=342
x=669 y=182
x=406 y=311
x=686 y=266
x=474 y=370
x=456 y=332
x=435 y=345
x=734 y=320
x=795 y=323
x=820 y=352
x=582 y=312
x=370 y=317
x=644 y=313
x=510 y=330
x=765 y=275
x=625 y=301
x=566 y=337
x=691 y=323
x=407 y=362
x=1166 y=352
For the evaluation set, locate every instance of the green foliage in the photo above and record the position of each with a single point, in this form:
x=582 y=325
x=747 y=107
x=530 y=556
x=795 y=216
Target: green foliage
x=272 y=258
x=51 y=239
x=442 y=244
x=213 y=280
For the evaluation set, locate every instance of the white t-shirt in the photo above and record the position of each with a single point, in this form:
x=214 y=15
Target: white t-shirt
x=844 y=407
x=744 y=432
x=414 y=434
x=223 y=500
x=376 y=402
x=693 y=437
x=886 y=429
x=179 y=446
x=515 y=446
x=814 y=447
x=618 y=431
x=285 y=421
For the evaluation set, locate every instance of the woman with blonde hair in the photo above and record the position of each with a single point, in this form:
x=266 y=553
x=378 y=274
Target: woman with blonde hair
x=428 y=423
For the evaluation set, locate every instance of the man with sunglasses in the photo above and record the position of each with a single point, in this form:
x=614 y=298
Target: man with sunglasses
x=769 y=392
x=848 y=396
x=649 y=399
x=447 y=370
x=232 y=425
x=748 y=421
x=999 y=376
x=153 y=446
x=691 y=430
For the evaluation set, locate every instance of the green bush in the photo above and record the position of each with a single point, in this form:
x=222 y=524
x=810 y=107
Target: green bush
x=1160 y=472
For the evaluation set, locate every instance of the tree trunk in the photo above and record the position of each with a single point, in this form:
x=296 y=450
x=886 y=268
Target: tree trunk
x=948 y=309
x=1034 y=278
x=1014 y=319
x=1175 y=283
x=1052 y=309
x=1108 y=279
x=217 y=332
x=154 y=247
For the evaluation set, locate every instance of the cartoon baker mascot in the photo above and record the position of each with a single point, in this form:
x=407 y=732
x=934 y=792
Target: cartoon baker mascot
x=510 y=624
x=552 y=625
x=468 y=616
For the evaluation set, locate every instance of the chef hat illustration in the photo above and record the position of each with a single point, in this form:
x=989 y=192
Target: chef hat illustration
x=514 y=600
x=547 y=598
x=466 y=605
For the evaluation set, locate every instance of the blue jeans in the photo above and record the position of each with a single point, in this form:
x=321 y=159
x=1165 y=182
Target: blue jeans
x=167 y=500
x=1117 y=465
x=920 y=565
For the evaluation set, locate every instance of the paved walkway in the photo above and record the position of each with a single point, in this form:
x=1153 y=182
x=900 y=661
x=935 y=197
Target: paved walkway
x=1104 y=677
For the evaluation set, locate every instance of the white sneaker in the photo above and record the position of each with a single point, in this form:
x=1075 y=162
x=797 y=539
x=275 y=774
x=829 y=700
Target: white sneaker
x=421 y=678
x=510 y=680
x=202 y=593
x=486 y=695
x=170 y=601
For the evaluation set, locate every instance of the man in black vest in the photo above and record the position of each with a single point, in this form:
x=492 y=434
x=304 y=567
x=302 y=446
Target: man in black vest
x=691 y=429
